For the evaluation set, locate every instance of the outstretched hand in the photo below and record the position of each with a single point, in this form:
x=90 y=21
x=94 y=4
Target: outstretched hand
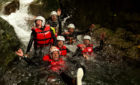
x=86 y=56
x=59 y=12
x=19 y=52
x=66 y=33
x=92 y=26
x=103 y=35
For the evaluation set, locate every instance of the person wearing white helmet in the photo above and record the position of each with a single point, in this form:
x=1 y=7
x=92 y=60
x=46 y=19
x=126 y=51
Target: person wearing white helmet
x=87 y=40
x=60 y=45
x=87 y=49
x=42 y=36
x=53 y=16
x=71 y=34
x=55 y=21
x=59 y=66
x=39 y=21
x=56 y=62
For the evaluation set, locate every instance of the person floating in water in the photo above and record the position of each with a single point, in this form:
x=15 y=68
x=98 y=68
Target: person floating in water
x=71 y=34
x=60 y=45
x=57 y=65
x=87 y=49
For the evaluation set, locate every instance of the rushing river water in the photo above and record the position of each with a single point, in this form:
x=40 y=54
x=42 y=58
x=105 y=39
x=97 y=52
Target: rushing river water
x=19 y=21
x=100 y=71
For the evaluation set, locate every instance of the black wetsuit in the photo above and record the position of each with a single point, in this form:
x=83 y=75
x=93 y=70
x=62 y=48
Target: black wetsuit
x=56 y=24
x=74 y=35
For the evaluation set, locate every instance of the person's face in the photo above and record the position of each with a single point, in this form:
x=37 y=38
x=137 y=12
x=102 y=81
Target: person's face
x=39 y=22
x=54 y=17
x=71 y=30
x=55 y=55
x=60 y=43
x=86 y=41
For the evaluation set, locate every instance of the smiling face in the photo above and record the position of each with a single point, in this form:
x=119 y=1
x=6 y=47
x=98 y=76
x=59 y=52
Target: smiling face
x=38 y=22
x=54 y=18
x=60 y=43
x=55 y=55
x=86 y=41
x=71 y=30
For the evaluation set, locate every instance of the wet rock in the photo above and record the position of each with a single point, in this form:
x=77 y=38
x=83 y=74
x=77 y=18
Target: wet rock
x=11 y=7
x=122 y=42
x=9 y=43
x=43 y=7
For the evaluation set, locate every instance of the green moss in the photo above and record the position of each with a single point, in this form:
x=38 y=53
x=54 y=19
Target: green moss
x=9 y=43
x=133 y=52
x=124 y=42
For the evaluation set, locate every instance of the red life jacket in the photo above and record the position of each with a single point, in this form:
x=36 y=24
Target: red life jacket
x=63 y=50
x=55 y=65
x=43 y=37
x=87 y=50
x=46 y=58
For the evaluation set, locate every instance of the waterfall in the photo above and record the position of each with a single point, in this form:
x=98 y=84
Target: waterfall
x=19 y=22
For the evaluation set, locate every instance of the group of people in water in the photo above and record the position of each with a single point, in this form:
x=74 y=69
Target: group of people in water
x=50 y=50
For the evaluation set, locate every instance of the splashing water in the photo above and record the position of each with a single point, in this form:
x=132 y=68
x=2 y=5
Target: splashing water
x=19 y=22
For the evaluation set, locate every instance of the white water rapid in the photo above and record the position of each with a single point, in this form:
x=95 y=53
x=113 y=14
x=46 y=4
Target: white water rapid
x=19 y=22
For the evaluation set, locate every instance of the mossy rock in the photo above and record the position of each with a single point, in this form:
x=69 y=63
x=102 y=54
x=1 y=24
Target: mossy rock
x=134 y=53
x=9 y=43
x=123 y=42
x=9 y=7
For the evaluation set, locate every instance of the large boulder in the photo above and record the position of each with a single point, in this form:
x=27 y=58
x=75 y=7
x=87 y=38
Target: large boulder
x=9 y=43
x=9 y=6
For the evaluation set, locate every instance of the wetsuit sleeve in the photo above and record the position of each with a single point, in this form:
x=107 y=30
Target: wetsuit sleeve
x=30 y=62
x=78 y=52
x=98 y=48
x=83 y=32
x=30 y=43
x=60 y=26
x=68 y=51
x=54 y=38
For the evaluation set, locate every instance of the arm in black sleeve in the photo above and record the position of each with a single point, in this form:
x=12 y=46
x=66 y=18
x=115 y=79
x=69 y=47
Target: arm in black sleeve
x=54 y=38
x=30 y=62
x=68 y=51
x=78 y=52
x=60 y=26
x=99 y=47
x=30 y=43
x=83 y=32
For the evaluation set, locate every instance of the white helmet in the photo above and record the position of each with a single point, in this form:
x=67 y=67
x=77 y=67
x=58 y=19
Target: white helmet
x=53 y=13
x=60 y=38
x=53 y=48
x=71 y=26
x=41 y=18
x=87 y=37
